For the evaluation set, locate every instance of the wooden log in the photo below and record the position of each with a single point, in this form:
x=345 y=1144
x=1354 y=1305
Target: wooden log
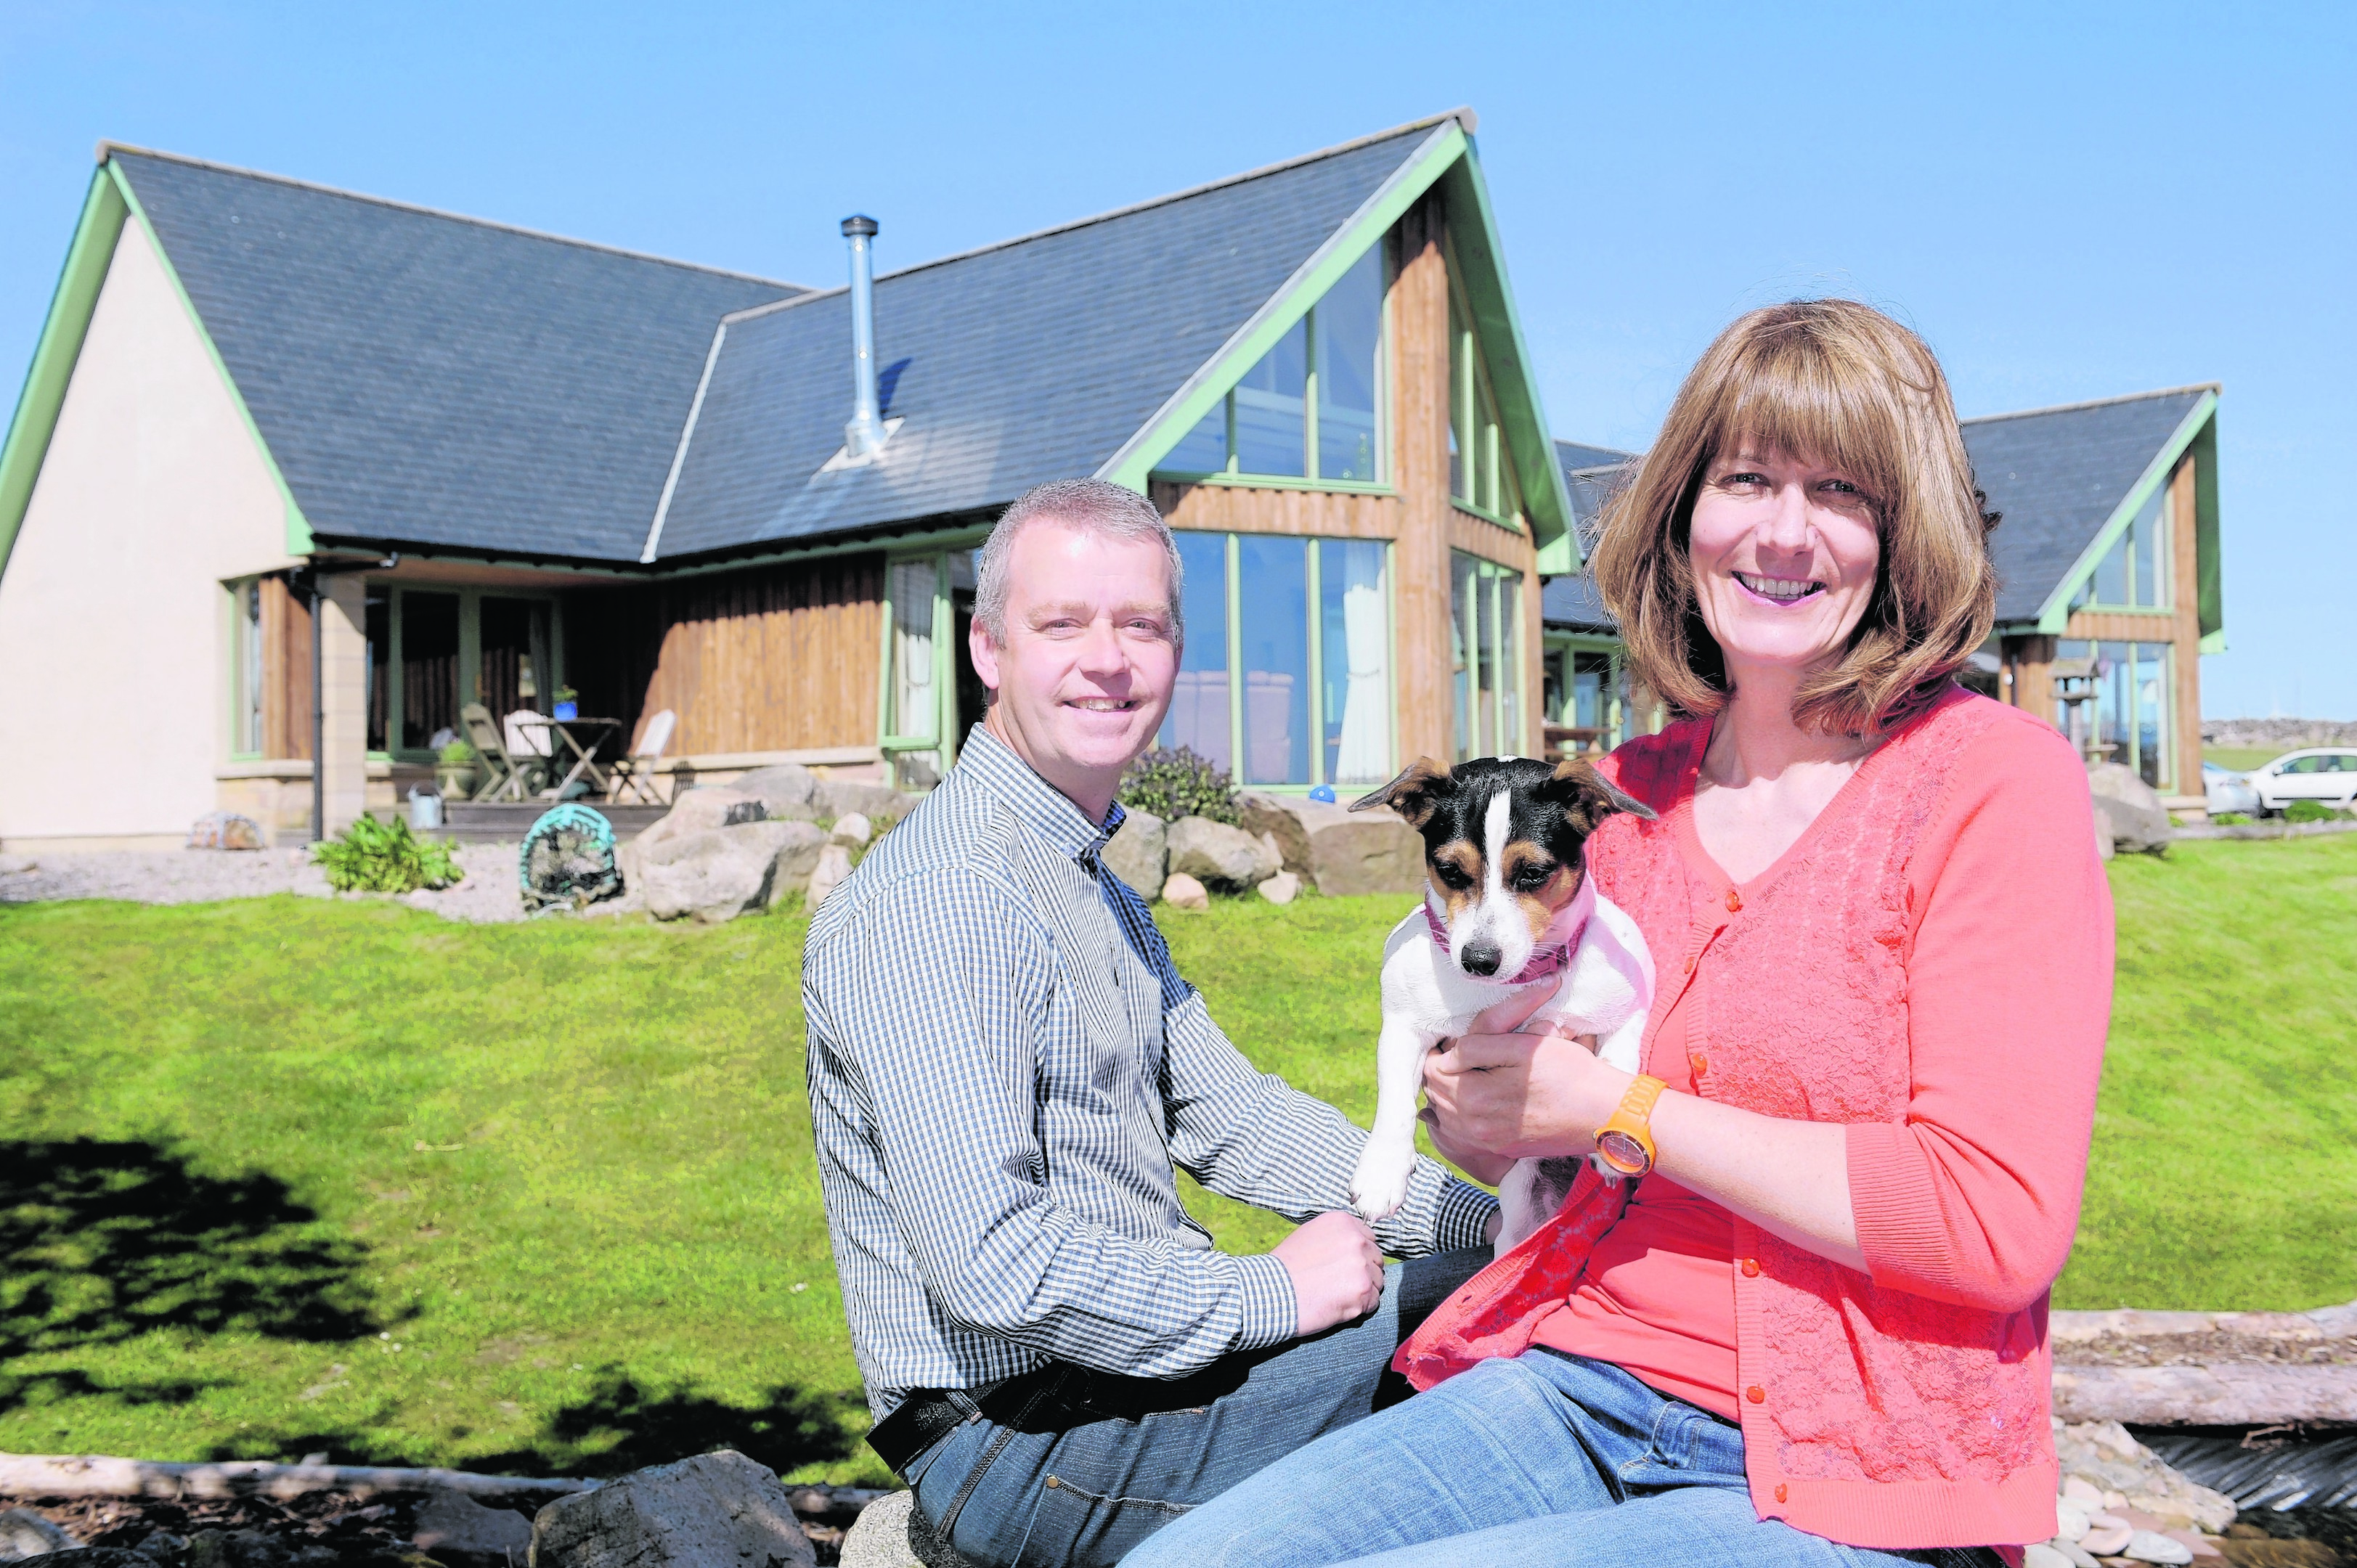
x=101 y=1475
x=2231 y=1394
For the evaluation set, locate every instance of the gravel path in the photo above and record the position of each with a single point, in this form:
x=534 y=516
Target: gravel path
x=487 y=893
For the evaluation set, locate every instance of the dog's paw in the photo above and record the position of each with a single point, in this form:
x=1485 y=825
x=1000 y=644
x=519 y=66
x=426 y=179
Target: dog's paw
x=1379 y=1184
x=1611 y=1177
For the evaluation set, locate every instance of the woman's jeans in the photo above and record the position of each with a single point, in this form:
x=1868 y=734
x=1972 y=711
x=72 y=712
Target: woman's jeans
x=1544 y=1460
x=1095 y=1464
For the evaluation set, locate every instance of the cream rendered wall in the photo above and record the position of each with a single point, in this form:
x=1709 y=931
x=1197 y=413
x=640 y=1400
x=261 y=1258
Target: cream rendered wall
x=114 y=626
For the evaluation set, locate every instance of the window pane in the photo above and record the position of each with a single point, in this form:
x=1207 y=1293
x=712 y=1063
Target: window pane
x=1271 y=429
x=2152 y=550
x=2112 y=574
x=1349 y=323
x=1197 y=718
x=511 y=672
x=1462 y=660
x=249 y=668
x=2152 y=713
x=429 y=668
x=1461 y=405
x=1204 y=449
x=1355 y=660
x=1273 y=607
x=378 y=617
x=2114 y=677
x=914 y=708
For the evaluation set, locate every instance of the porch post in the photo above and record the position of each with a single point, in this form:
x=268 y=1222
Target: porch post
x=342 y=764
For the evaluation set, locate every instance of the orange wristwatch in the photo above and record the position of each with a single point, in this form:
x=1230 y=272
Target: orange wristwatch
x=1626 y=1142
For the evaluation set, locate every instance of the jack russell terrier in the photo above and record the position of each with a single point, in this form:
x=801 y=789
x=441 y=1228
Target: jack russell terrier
x=1508 y=906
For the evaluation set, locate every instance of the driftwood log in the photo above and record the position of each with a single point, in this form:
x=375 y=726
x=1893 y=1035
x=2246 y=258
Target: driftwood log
x=2206 y=1369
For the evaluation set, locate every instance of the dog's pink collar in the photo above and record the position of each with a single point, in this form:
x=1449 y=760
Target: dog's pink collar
x=1546 y=962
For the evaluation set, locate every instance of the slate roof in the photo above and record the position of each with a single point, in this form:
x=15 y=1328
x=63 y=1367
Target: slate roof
x=428 y=379
x=1033 y=359
x=1570 y=602
x=2057 y=475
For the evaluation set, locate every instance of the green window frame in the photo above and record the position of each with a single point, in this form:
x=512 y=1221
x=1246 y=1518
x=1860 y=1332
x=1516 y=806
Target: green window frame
x=919 y=720
x=1485 y=681
x=1222 y=418
x=2124 y=709
x=2137 y=571
x=246 y=694
x=1561 y=673
x=1347 y=597
x=1481 y=471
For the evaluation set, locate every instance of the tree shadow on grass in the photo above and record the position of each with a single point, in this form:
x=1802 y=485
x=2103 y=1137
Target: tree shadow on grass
x=102 y=1242
x=621 y=1426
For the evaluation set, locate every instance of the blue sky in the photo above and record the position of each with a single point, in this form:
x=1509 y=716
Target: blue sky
x=2069 y=201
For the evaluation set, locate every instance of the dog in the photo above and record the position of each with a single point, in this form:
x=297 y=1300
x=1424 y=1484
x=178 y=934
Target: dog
x=1508 y=906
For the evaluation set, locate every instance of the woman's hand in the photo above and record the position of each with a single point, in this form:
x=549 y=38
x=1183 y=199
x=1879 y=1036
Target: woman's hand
x=1483 y=1166
x=1500 y=1096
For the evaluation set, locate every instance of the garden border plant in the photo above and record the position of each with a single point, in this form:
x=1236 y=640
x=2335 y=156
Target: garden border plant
x=372 y=856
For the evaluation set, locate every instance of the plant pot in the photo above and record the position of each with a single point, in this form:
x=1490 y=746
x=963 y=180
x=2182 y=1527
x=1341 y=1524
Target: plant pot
x=567 y=710
x=456 y=779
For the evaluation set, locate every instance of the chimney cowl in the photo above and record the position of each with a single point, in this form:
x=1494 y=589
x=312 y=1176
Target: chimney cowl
x=858 y=223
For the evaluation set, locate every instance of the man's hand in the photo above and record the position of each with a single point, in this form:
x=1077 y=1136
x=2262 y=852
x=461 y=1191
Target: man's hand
x=1520 y=1096
x=1338 y=1272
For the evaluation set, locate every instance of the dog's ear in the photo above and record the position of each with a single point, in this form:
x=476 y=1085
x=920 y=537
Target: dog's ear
x=1415 y=794
x=1588 y=795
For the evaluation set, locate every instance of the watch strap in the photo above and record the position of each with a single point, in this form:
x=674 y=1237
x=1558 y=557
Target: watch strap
x=1626 y=1140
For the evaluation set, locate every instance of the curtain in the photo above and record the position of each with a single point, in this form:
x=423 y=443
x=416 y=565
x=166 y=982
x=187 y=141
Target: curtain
x=1364 y=753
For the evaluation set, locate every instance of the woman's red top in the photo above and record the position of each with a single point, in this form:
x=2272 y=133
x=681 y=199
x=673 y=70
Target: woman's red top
x=1931 y=965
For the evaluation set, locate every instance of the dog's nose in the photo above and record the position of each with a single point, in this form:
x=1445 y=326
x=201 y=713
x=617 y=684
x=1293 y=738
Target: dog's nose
x=1480 y=958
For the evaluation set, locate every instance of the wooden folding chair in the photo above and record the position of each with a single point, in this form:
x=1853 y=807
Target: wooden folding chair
x=505 y=778
x=633 y=773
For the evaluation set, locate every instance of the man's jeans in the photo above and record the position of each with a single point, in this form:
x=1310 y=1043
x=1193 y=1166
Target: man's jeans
x=1544 y=1460
x=1097 y=1463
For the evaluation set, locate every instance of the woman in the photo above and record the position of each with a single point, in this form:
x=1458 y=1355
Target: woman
x=1815 y=1331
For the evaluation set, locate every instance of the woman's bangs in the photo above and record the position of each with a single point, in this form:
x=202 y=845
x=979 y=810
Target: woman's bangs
x=1791 y=399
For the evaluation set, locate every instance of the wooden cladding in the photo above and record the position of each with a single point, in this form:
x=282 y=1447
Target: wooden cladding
x=769 y=659
x=286 y=673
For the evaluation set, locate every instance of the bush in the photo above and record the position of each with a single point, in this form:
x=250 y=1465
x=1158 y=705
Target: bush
x=455 y=753
x=1173 y=784
x=385 y=857
x=2231 y=818
x=2309 y=812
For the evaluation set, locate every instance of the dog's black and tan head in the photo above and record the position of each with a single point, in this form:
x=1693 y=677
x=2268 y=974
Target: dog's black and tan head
x=1504 y=843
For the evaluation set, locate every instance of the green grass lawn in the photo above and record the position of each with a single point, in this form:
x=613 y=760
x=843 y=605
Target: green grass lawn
x=283 y=1176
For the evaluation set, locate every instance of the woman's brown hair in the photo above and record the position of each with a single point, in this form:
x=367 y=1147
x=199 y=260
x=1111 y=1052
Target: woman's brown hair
x=1841 y=383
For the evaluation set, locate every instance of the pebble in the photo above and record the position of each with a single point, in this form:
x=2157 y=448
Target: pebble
x=2149 y=1546
x=2083 y=1493
x=2043 y=1556
x=2071 y=1521
x=2106 y=1542
x=1282 y=888
x=1183 y=892
x=853 y=830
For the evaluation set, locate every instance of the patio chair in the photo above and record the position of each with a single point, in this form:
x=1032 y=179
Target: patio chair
x=505 y=775
x=632 y=773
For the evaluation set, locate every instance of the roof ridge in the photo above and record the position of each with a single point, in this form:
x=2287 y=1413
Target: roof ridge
x=107 y=148
x=2095 y=402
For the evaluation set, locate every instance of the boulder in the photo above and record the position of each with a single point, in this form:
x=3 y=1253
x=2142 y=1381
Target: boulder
x=1282 y=888
x=720 y=873
x=853 y=830
x=1183 y=892
x=833 y=870
x=1140 y=854
x=225 y=830
x=453 y=1528
x=789 y=789
x=23 y=1533
x=839 y=797
x=890 y=1533
x=1221 y=856
x=2139 y=821
x=716 y=1508
x=1342 y=852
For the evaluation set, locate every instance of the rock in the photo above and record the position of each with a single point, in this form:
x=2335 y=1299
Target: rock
x=23 y=1533
x=254 y=1549
x=714 y=1509
x=105 y=1557
x=2073 y=1553
x=1258 y=813
x=2105 y=847
x=839 y=797
x=1342 y=852
x=2085 y=1494
x=1140 y=854
x=2043 y=1556
x=1282 y=888
x=892 y=1533
x=834 y=868
x=1221 y=856
x=853 y=830
x=1183 y=892
x=17 y=865
x=2151 y=1546
x=2069 y=1519
x=789 y=789
x=725 y=871
x=225 y=830
x=453 y=1526
x=2139 y=821
x=2105 y=1543
x=697 y=810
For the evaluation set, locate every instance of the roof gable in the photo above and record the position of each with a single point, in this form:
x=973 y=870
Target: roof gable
x=1034 y=360
x=2059 y=475
x=422 y=379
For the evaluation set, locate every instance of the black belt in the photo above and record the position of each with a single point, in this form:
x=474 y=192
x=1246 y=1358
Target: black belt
x=928 y=1415
x=1052 y=1398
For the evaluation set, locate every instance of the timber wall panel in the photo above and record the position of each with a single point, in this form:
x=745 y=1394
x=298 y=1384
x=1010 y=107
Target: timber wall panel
x=2185 y=586
x=286 y=673
x=769 y=659
x=1420 y=471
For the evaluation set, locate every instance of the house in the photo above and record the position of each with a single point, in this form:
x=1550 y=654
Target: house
x=502 y=463
x=2108 y=583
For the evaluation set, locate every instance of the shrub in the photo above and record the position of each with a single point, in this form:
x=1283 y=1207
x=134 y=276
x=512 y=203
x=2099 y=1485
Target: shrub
x=384 y=857
x=2231 y=818
x=2309 y=812
x=455 y=753
x=1179 y=783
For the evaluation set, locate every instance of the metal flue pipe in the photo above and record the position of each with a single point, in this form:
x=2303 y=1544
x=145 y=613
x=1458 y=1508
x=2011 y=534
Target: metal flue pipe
x=864 y=437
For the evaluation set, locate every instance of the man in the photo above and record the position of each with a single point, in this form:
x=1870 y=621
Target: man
x=1004 y=1068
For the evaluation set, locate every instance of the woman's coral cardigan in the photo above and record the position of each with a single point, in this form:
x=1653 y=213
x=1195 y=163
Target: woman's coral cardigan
x=1931 y=965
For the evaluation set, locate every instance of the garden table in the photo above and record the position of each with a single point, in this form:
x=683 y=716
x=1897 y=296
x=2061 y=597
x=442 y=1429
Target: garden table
x=584 y=738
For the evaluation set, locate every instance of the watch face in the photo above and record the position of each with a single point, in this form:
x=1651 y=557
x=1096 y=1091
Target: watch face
x=1623 y=1153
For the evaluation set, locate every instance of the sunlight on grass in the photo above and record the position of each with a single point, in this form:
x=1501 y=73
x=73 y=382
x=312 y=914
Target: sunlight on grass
x=287 y=1174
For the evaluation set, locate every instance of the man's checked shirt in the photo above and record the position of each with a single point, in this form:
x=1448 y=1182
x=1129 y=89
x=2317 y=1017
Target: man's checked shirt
x=1004 y=1068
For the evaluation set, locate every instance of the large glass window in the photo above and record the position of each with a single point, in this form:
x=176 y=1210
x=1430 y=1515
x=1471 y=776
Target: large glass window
x=1485 y=643
x=245 y=655
x=2135 y=573
x=2112 y=699
x=1479 y=475
x=1309 y=408
x=1285 y=676
x=511 y=672
x=1584 y=700
x=377 y=623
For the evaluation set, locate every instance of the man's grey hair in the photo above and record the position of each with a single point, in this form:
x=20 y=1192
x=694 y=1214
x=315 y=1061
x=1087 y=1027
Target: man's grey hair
x=1092 y=506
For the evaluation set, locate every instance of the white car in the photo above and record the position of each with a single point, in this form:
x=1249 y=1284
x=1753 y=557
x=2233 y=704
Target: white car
x=2326 y=774
x=2225 y=790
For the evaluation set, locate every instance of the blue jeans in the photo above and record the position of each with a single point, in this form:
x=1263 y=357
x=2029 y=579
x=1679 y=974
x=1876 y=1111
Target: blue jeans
x=1096 y=1463
x=1545 y=1459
